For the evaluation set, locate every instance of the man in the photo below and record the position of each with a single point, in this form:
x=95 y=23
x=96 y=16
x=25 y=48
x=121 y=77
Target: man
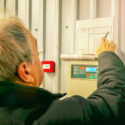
x=22 y=102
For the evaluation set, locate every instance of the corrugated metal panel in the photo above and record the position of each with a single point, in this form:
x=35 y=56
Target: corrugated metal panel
x=1 y=8
x=23 y=11
x=52 y=43
x=10 y=5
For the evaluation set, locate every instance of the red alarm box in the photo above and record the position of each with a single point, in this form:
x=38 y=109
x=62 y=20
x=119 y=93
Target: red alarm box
x=48 y=66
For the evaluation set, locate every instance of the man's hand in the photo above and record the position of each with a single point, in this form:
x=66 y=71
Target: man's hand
x=105 y=45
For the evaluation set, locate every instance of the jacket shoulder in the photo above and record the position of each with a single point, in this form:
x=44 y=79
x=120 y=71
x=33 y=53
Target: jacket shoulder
x=60 y=112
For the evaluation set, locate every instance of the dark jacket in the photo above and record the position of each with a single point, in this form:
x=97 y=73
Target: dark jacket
x=23 y=105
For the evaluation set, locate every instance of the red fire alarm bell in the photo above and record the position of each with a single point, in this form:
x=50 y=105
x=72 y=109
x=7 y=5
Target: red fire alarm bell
x=48 y=66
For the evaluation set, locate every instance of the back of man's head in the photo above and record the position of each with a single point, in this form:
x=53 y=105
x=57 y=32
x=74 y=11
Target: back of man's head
x=14 y=48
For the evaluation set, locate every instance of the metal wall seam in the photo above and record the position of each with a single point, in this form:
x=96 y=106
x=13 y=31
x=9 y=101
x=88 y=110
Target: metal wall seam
x=10 y=7
x=5 y=7
x=59 y=43
x=30 y=15
x=1 y=8
x=16 y=7
x=23 y=11
x=44 y=28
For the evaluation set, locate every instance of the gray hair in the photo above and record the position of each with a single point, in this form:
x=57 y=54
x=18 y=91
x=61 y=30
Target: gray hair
x=14 y=48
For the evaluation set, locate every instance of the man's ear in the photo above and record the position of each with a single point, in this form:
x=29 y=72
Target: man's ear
x=24 y=72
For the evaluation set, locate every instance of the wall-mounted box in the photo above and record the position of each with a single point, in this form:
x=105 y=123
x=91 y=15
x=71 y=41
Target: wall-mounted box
x=48 y=66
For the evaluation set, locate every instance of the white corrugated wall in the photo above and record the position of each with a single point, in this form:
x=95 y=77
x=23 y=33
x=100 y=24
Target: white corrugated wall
x=52 y=22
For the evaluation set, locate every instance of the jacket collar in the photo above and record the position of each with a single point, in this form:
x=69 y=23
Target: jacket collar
x=13 y=94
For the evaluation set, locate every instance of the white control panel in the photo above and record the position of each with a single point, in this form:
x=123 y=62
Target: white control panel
x=89 y=32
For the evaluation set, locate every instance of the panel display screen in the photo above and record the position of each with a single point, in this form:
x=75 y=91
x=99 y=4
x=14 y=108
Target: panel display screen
x=84 y=71
x=91 y=69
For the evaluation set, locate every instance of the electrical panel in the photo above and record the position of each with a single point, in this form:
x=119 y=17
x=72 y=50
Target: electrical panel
x=82 y=77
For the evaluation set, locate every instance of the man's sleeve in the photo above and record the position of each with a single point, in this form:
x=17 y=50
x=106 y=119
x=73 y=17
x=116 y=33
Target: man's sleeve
x=111 y=71
x=108 y=101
